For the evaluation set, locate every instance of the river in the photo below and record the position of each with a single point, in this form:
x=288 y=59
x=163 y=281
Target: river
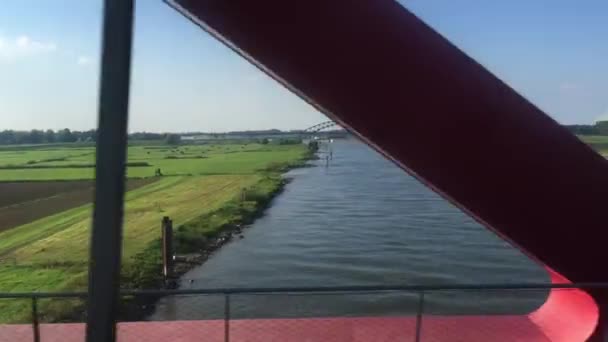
x=359 y=221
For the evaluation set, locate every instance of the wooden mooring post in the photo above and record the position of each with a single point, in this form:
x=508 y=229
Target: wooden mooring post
x=167 y=247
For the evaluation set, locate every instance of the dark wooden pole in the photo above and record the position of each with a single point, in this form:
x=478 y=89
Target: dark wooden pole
x=167 y=247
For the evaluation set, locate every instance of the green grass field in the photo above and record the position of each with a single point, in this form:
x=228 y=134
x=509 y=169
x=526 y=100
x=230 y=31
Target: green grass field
x=201 y=190
x=24 y=165
x=598 y=142
x=594 y=139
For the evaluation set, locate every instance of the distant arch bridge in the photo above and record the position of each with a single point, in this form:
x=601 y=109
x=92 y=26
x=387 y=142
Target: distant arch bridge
x=321 y=126
x=320 y=131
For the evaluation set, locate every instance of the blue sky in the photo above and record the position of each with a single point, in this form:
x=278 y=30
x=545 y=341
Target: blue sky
x=554 y=52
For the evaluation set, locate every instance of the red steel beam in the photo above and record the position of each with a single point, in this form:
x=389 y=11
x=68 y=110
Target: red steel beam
x=377 y=69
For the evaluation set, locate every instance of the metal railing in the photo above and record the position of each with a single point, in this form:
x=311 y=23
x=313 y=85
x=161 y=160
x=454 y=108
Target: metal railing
x=227 y=304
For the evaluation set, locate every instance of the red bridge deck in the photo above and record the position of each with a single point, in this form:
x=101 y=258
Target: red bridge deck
x=568 y=315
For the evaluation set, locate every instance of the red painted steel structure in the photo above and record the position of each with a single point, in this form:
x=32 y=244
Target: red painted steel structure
x=568 y=315
x=375 y=68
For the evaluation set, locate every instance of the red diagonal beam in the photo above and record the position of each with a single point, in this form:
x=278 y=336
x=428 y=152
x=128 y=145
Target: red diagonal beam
x=380 y=71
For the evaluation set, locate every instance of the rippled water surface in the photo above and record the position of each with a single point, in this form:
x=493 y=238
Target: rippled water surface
x=360 y=221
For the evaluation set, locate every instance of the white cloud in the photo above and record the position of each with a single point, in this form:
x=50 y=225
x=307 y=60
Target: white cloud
x=83 y=60
x=569 y=86
x=24 y=46
x=22 y=41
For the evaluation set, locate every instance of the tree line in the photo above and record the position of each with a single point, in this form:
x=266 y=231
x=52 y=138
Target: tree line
x=49 y=136
x=599 y=128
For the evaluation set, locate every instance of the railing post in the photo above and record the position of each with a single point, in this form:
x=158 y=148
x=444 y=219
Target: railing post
x=226 y=318
x=35 y=324
x=419 y=315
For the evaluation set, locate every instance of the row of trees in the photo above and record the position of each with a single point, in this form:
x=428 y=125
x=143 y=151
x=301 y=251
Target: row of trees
x=147 y=136
x=169 y=138
x=35 y=136
x=49 y=136
x=599 y=128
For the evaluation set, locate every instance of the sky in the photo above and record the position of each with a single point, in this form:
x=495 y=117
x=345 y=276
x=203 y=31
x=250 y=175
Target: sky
x=554 y=52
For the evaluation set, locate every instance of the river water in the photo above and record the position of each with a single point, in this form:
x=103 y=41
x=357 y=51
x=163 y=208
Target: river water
x=359 y=221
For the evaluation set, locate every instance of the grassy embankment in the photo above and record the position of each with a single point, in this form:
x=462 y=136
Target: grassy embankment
x=598 y=142
x=201 y=190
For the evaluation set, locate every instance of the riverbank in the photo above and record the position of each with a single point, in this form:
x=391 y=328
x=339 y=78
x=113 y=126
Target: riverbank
x=205 y=197
x=195 y=241
x=198 y=239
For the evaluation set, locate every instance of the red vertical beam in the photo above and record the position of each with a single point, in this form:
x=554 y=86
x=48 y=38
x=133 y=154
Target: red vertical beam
x=382 y=72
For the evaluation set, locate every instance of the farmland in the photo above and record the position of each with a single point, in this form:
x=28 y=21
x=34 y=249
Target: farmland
x=46 y=210
x=598 y=142
x=79 y=163
x=27 y=202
